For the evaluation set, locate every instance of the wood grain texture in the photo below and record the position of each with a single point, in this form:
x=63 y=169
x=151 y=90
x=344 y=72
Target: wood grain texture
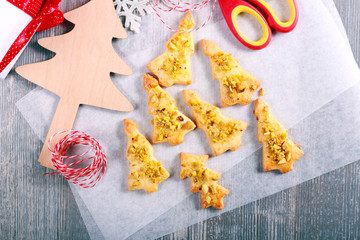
x=80 y=71
x=33 y=206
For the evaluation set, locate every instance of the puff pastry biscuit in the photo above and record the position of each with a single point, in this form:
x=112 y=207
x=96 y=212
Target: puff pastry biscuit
x=170 y=125
x=203 y=180
x=279 y=152
x=173 y=66
x=223 y=132
x=236 y=85
x=145 y=171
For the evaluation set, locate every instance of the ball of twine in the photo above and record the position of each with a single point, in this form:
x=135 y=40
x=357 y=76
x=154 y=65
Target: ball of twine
x=88 y=176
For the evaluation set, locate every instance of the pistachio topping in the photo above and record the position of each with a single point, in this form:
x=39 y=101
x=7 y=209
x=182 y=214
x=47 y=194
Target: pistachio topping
x=180 y=43
x=140 y=153
x=176 y=66
x=203 y=180
x=218 y=129
x=169 y=119
x=205 y=188
x=279 y=152
x=170 y=125
x=276 y=140
x=236 y=84
x=223 y=61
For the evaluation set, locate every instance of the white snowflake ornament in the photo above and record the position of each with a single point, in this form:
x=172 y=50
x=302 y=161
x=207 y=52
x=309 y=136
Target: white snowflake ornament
x=132 y=11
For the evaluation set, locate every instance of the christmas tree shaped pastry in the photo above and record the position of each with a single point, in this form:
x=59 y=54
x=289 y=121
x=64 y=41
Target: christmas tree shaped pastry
x=279 y=152
x=236 y=85
x=223 y=132
x=173 y=66
x=203 y=180
x=170 y=125
x=145 y=171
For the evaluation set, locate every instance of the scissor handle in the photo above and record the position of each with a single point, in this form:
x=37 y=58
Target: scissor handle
x=272 y=19
x=232 y=9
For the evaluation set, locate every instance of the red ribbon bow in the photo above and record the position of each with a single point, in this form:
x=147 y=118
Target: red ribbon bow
x=45 y=14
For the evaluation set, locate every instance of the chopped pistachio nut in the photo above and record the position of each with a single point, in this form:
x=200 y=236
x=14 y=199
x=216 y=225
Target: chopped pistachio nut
x=194 y=102
x=204 y=180
x=220 y=130
x=205 y=188
x=223 y=61
x=201 y=171
x=175 y=66
x=149 y=168
x=213 y=188
x=180 y=43
x=277 y=144
x=235 y=84
x=141 y=152
x=168 y=119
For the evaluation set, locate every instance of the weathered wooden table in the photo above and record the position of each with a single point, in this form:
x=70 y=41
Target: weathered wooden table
x=37 y=207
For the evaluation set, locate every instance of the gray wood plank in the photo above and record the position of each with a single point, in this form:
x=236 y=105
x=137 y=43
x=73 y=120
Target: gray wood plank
x=33 y=206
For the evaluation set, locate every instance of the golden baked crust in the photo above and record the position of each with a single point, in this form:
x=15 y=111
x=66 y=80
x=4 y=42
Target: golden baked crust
x=203 y=180
x=261 y=92
x=170 y=125
x=173 y=66
x=279 y=152
x=145 y=171
x=236 y=85
x=223 y=132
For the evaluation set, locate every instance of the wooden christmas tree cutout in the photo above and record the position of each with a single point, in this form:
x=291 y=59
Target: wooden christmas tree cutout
x=145 y=171
x=80 y=71
x=173 y=66
x=203 y=180
x=223 y=132
x=236 y=85
x=170 y=125
x=279 y=152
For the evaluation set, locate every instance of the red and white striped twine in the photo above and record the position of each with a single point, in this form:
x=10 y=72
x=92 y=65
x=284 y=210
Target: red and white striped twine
x=86 y=177
x=181 y=6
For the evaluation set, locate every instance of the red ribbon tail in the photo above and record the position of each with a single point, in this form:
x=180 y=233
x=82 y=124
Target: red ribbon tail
x=20 y=43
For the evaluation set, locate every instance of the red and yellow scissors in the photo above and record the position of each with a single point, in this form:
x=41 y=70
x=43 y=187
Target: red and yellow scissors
x=263 y=13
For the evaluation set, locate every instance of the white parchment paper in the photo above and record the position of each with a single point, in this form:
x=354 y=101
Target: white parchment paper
x=301 y=71
x=155 y=228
